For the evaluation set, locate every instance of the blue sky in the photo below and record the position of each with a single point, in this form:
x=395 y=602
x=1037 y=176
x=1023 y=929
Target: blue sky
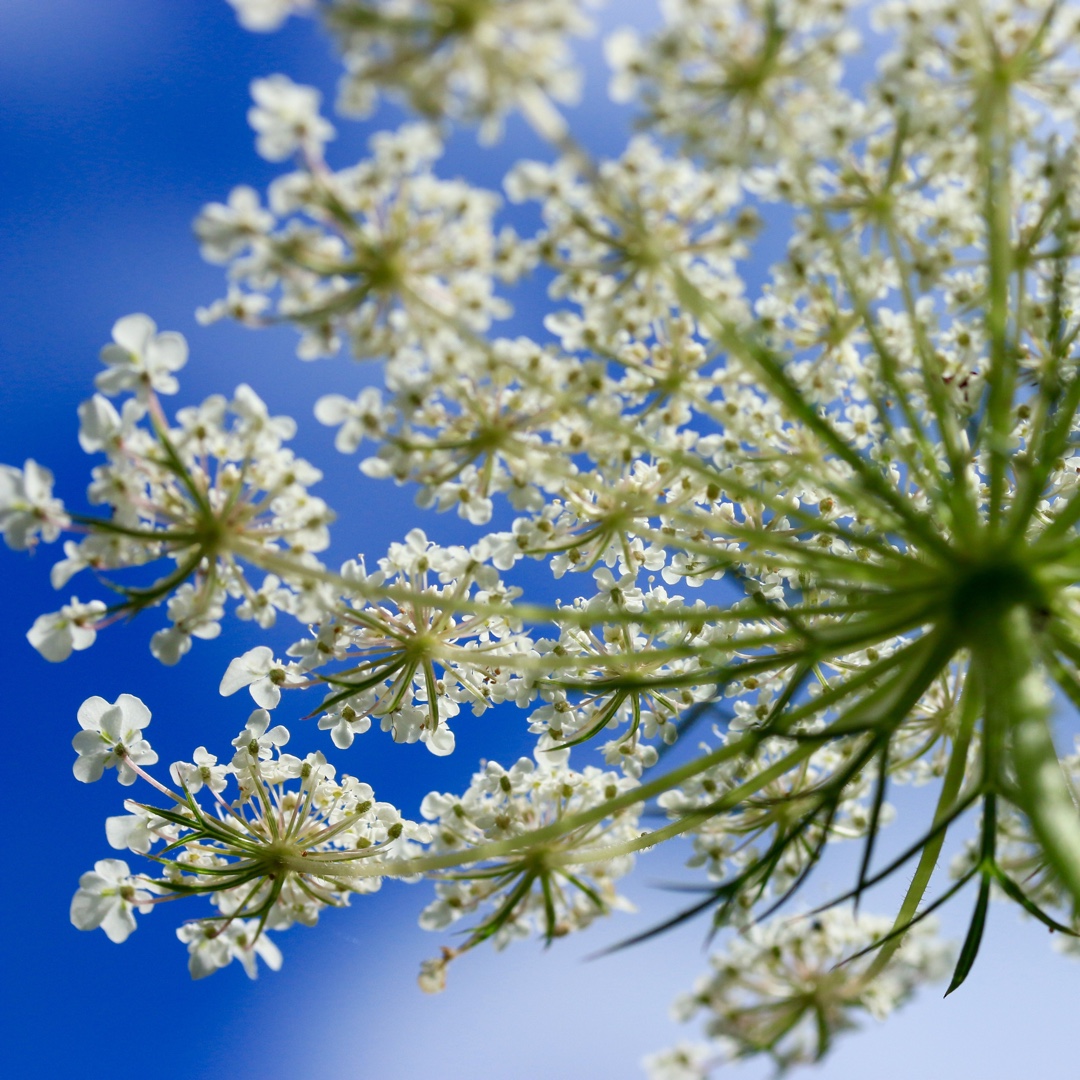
x=120 y=119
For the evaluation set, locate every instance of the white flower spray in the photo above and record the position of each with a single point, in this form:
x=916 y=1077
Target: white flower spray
x=829 y=507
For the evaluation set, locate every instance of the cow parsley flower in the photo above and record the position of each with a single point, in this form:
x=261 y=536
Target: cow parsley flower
x=281 y=839
x=382 y=254
x=27 y=506
x=554 y=889
x=71 y=629
x=789 y=988
x=286 y=119
x=108 y=897
x=140 y=359
x=213 y=492
x=472 y=60
x=112 y=739
x=826 y=509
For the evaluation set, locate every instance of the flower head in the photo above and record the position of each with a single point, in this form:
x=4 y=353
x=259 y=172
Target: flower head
x=788 y=988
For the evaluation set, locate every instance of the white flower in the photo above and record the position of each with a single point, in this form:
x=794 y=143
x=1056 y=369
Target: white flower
x=440 y=741
x=344 y=724
x=260 y=673
x=623 y=52
x=71 y=629
x=27 y=506
x=107 y=897
x=363 y=418
x=685 y=1061
x=225 y=229
x=194 y=613
x=212 y=946
x=111 y=738
x=137 y=831
x=169 y=645
x=203 y=769
x=432 y=977
x=99 y=424
x=236 y=304
x=620 y=592
x=285 y=117
x=140 y=359
x=255 y=742
x=101 y=427
x=263 y=605
x=263 y=15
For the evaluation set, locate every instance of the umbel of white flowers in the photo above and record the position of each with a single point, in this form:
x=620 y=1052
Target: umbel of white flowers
x=872 y=441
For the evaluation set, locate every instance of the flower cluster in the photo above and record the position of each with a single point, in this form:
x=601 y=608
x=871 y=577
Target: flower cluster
x=410 y=660
x=787 y=989
x=554 y=888
x=275 y=845
x=623 y=240
x=472 y=60
x=378 y=254
x=829 y=506
x=742 y=82
x=277 y=838
x=211 y=492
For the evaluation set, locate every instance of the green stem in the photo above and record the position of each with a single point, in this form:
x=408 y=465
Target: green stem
x=1018 y=707
x=995 y=150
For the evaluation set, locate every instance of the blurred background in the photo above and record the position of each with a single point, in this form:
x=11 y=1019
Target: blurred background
x=119 y=120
